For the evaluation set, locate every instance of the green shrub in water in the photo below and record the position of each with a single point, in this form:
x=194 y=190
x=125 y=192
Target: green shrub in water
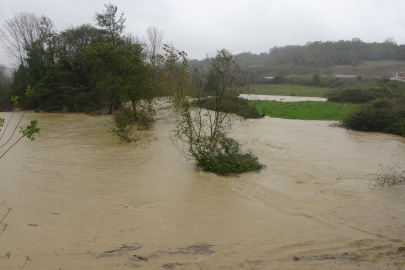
x=224 y=157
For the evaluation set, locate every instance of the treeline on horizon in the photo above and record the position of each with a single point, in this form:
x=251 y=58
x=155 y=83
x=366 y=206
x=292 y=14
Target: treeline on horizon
x=329 y=53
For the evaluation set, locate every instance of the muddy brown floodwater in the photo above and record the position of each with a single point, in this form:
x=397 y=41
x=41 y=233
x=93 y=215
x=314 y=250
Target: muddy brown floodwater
x=82 y=200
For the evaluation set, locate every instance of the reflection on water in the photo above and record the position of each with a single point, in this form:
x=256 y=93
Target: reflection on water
x=99 y=204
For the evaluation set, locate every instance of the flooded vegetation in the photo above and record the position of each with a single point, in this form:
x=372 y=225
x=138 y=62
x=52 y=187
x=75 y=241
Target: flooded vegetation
x=82 y=200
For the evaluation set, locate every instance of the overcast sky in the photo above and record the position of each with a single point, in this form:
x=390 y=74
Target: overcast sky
x=204 y=26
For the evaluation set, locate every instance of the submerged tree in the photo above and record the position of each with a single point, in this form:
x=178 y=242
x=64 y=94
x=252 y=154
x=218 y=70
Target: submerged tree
x=206 y=132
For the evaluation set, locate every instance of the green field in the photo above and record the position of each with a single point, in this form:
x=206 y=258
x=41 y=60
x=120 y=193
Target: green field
x=288 y=90
x=306 y=110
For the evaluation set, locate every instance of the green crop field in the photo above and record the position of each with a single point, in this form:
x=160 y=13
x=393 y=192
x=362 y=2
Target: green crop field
x=306 y=110
x=288 y=90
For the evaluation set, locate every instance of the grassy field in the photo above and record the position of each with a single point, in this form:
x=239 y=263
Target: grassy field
x=306 y=110
x=287 y=90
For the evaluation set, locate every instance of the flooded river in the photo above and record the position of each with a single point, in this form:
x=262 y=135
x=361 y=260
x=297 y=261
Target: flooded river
x=82 y=200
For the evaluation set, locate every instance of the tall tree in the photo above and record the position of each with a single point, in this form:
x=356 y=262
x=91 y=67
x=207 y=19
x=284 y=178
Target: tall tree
x=154 y=43
x=19 y=32
x=113 y=26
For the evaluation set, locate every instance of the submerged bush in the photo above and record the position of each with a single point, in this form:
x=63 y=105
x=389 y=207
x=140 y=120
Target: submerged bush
x=224 y=157
x=123 y=129
x=389 y=175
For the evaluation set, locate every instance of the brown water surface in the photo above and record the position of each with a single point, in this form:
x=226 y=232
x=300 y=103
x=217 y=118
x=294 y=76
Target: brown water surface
x=82 y=200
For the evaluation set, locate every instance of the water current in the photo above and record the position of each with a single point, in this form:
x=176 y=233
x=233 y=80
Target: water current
x=82 y=200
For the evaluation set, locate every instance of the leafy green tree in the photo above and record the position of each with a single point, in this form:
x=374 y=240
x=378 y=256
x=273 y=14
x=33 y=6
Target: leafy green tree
x=120 y=74
x=113 y=26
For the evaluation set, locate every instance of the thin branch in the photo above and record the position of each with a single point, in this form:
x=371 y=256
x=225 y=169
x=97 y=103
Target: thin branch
x=28 y=259
x=11 y=146
x=13 y=133
x=4 y=131
x=5 y=215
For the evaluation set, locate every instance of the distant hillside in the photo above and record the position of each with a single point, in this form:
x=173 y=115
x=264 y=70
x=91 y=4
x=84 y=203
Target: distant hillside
x=353 y=57
x=368 y=68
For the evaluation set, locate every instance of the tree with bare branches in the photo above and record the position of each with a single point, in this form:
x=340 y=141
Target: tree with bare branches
x=21 y=31
x=154 y=43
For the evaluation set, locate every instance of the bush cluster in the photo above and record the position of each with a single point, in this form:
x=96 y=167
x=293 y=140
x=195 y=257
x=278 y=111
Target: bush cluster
x=224 y=156
x=355 y=95
x=231 y=104
x=381 y=115
x=364 y=91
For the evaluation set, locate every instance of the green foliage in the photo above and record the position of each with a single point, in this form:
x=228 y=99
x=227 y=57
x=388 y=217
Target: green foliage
x=85 y=69
x=30 y=130
x=14 y=100
x=369 y=91
x=113 y=26
x=305 y=110
x=119 y=74
x=29 y=92
x=123 y=128
x=381 y=115
x=355 y=95
x=224 y=156
x=231 y=104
